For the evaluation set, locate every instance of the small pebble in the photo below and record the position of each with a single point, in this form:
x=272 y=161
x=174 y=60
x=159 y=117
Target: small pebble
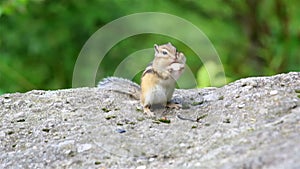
x=19 y=114
x=151 y=159
x=121 y=130
x=2 y=134
x=182 y=144
x=241 y=105
x=7 y=100
x=253 y=83
x=273 y=92
x=141 y=167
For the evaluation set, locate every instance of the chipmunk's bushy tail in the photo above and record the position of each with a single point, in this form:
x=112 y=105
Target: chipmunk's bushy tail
x=120 y=85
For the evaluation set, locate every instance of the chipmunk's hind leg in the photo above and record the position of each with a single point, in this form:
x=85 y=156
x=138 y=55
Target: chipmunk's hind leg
x=148 y=111
x=173 y=105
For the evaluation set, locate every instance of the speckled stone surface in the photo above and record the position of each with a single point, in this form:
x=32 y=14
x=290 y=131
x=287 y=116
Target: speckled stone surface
x=251 y=123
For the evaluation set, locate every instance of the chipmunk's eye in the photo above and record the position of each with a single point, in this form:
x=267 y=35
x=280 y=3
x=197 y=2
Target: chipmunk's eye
x=165 y=52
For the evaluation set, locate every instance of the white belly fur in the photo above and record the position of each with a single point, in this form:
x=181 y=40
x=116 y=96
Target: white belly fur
x=160 y=94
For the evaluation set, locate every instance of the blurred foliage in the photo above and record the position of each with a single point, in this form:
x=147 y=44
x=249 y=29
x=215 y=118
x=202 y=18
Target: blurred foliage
x=41 y=39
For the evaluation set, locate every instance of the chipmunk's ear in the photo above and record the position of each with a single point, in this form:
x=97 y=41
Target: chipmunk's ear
x=156 y=49
x=169 y=43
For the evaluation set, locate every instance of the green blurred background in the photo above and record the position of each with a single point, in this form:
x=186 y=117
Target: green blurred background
x=41 y=39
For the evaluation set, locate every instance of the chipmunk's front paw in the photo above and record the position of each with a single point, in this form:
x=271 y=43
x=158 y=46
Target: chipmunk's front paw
x=174 y=105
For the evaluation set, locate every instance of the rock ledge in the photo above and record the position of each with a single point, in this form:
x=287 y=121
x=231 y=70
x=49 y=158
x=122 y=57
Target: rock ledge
x=250 y=123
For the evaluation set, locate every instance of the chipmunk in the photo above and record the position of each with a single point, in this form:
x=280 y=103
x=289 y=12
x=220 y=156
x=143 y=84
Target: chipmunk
x=158 y=80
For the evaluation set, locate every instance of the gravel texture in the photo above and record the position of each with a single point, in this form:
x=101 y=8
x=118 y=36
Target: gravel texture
x=250 y=123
